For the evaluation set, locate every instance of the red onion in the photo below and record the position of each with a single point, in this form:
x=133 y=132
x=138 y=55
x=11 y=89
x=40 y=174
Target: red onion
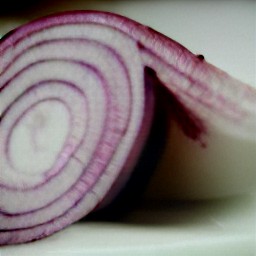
x=78 y=95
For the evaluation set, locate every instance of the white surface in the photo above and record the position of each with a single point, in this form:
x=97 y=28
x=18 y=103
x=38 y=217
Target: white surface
x=224 y=32
x=214 y=228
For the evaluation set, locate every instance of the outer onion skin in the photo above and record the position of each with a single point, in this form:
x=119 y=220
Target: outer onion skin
x=81 y=93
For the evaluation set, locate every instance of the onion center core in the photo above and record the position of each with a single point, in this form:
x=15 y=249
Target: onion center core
x=40 y=135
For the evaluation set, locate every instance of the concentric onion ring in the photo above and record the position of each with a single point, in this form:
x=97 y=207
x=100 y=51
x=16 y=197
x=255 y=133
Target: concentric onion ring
x=74 y=104
x=86 y=86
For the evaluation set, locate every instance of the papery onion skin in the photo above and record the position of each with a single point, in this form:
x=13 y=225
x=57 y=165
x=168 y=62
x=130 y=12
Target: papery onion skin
x=123 y=72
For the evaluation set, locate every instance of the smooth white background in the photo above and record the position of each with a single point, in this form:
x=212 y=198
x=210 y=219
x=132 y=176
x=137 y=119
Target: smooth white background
x=225 y=33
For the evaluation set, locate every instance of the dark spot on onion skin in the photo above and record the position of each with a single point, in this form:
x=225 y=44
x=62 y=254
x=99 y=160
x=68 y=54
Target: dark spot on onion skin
x=140 y=45
x=200 y=57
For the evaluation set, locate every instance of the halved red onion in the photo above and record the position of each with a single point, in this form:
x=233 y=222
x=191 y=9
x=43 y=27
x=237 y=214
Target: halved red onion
x=78 y=96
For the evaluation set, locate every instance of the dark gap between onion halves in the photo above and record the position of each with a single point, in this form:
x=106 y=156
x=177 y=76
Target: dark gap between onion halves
x=167 y=108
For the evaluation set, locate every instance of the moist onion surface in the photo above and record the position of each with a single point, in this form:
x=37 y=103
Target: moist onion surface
x=78 y=94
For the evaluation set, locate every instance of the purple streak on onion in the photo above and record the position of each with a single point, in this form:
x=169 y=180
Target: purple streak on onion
x=79 y=92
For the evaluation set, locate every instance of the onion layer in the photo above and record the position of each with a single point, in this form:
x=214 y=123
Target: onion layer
x=76 y=111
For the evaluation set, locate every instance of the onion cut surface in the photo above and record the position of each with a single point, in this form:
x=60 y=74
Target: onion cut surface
x=75 y=113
